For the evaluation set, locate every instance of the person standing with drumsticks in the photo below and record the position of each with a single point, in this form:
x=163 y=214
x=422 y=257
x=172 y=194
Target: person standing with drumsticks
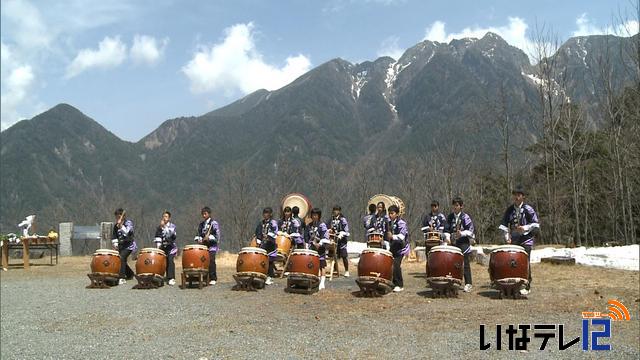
x=379 y=222
x=290 y=227
x=366 y=220
x=460 y=226
x=519 y=223
x=317 y=236
x=165 y=240
x=209 y=235
x=266 y=238
x=299 y=242
x=124 y=242
x=399 y=245
x=434 y=220
x=339 y=228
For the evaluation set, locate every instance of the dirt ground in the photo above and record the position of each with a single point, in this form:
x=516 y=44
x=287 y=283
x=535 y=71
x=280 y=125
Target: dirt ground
x=73 y=322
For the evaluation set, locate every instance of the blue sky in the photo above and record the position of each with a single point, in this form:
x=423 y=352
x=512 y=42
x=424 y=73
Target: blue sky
x=131 y=65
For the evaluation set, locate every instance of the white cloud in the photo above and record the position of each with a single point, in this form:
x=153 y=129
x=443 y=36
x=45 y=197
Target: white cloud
x=17 y=79
x=586 y=27
x=29 y=38
x=389 y=47
x=235 y=64
x=26 y=25
x=514 y=33
x=36 y=36
x=111 y=52
x=334 y=6
x=147 y=49
x=436 y=32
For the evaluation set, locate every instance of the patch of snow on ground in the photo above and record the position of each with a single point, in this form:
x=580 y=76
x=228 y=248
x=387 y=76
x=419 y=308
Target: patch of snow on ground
x=616 y=257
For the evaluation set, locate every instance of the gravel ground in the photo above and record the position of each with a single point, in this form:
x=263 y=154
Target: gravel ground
x=46 y=313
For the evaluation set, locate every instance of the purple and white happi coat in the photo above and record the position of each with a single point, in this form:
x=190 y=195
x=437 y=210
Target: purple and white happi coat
x=433 y=221
x=378 y=223
x=165 y=238
x=400 y=237
x=523 y=215
x=293 y=227
x=123 y=236
x=215 y=235
x=317 y=232
x=340 y=227
x=266 y=235
x=462 y=222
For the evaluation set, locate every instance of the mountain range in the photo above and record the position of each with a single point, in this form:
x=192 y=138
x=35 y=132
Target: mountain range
x=64 y=166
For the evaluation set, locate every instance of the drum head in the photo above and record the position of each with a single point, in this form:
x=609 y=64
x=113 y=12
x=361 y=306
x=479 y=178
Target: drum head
x=191 y=247
x=510 y=248
x=298 y=200
x=152 y=250
x=253 y=250
x=106 y=252
x=398 y=202
x=305 y=252
x=388 y=200
x=446 y=248
x=377 y=251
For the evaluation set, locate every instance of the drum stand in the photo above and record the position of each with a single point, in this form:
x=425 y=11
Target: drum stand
x=371 y=286
x=332 y=264
x=201 y=276
x=299 y=283
x=444 y=286
x=510 y=288
x=101 y=280
x=149 y=281
x=249 y=281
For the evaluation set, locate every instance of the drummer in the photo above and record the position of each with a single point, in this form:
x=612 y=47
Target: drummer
x=209 y=235
x=399 y=245
x=266 y=231
x=317 y=237
x=434 y=220
x=518 y=223
x=366 y=220
x=460 y=227
x=379 y=222
x=295 y=212
x=124 y=242
x=339 y=227
x=165 y=240
x=290 y=227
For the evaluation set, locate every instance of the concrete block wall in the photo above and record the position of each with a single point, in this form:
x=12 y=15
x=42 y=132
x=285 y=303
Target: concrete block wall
x=65 y=232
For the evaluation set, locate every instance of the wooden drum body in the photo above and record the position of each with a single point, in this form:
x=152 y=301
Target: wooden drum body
x=509 y=263
x=445 y=262
x=106 y=262
x=375 y=240
x=252 y=260
x=433 y=240
x=283 y=245
x=304 y=262
x=376 y=263
x=151 y=261
x=195 y=257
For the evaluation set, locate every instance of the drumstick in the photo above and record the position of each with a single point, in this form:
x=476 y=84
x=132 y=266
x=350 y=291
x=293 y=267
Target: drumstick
x=286 y=263
x=121 y=217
